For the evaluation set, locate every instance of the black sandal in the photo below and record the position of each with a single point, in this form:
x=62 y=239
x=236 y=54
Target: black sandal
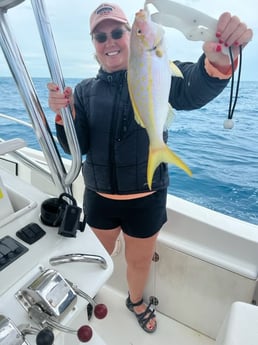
x=142 y=318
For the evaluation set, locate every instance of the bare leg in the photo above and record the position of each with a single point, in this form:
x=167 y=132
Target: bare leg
x=107 y=237
x=139 y=253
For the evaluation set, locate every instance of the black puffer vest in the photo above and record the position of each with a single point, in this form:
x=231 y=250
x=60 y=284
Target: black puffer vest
x=116 y=146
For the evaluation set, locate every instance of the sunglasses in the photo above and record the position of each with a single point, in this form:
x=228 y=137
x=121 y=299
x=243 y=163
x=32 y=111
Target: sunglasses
x=116 y=34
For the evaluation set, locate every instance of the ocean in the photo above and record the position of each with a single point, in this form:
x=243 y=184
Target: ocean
x=224 y=162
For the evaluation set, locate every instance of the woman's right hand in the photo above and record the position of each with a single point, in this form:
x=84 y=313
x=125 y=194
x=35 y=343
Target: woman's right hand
x=58 y=100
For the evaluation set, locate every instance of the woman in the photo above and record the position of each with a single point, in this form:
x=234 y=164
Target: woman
x=117 y=197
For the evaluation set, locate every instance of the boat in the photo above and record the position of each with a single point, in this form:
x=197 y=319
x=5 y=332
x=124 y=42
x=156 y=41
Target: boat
x=59 y=285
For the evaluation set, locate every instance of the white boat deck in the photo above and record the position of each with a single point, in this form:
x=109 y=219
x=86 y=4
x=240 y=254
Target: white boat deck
x=120 y=326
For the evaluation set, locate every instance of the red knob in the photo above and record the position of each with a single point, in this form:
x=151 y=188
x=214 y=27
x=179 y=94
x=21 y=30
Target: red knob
x=84 y=333
x=100 y=311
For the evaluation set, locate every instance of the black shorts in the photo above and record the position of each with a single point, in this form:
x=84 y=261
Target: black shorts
x=141 y=217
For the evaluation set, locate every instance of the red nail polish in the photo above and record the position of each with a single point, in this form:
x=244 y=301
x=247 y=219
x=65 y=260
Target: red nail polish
x=221 y=41
x=57 y=88
x=226 y=45
x=236 y=44
x=218 y=48
x=58 y=118
x=218 y=34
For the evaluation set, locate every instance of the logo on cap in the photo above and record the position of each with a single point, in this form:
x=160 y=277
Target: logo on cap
x=104 y=10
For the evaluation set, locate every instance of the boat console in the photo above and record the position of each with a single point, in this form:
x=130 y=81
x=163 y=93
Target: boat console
x=47 y=279
x=50 y=272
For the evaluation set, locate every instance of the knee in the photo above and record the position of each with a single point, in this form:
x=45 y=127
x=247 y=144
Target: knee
x=139 y=261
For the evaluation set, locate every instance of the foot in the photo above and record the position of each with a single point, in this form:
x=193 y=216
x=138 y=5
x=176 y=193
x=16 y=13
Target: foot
x=144 y=314
x=151 y=325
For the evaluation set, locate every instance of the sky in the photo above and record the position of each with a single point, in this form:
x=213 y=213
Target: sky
x=69 y=21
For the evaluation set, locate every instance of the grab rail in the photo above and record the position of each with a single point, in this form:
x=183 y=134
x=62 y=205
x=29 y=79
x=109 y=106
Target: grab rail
x=48 y=43
x=31 y=164
x=62 y=179
x=19 y=156
x=6 y=4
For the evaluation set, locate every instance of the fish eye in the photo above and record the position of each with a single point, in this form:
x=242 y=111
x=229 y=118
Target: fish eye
x=139 y=32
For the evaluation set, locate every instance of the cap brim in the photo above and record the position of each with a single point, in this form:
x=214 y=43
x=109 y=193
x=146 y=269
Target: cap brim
x=115 y=19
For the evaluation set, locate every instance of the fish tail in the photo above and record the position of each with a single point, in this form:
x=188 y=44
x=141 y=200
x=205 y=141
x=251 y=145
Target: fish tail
x=163 y=154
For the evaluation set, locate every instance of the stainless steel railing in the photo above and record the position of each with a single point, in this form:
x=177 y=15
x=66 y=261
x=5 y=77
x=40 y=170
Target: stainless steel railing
x=61 y=177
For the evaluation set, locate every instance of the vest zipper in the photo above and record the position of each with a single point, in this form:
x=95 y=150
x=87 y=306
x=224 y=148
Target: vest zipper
x=113 y=175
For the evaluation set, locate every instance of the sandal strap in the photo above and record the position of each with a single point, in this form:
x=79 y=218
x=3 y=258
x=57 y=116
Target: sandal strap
x=137 y=304
x=131 y=304
x=143 y=318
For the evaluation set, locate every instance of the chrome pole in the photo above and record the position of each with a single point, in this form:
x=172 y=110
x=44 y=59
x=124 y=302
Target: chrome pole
x=6 y=4
x=31 y=102
x=49 y=46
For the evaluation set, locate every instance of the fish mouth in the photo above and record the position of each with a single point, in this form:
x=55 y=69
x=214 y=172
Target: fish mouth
x=155 y=46
x=141 y=14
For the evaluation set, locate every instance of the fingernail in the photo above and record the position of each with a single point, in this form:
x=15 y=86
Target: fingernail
x=218 y=48
x=236 y=43
x=58 y=118
x=221 y=41
x=57 y=88
x=218 y=34
x=225 y=44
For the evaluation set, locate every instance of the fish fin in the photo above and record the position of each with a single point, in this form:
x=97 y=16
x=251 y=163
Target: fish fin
x=163 y=154
x=137 y=116
x=175 y=71
x=170 y=117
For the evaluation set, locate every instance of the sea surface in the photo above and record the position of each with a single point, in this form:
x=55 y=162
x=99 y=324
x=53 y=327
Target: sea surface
x=224 y=162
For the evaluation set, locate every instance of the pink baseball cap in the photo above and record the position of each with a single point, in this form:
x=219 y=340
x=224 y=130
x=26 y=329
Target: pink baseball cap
x=107 y=11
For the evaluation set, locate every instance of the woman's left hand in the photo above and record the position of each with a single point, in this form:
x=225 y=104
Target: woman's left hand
x=231 y=32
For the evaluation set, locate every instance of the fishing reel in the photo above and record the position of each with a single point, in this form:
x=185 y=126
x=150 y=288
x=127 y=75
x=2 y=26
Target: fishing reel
x=48 y=299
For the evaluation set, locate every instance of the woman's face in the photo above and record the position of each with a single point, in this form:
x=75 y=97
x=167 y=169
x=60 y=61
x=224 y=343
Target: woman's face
x=113 y=53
